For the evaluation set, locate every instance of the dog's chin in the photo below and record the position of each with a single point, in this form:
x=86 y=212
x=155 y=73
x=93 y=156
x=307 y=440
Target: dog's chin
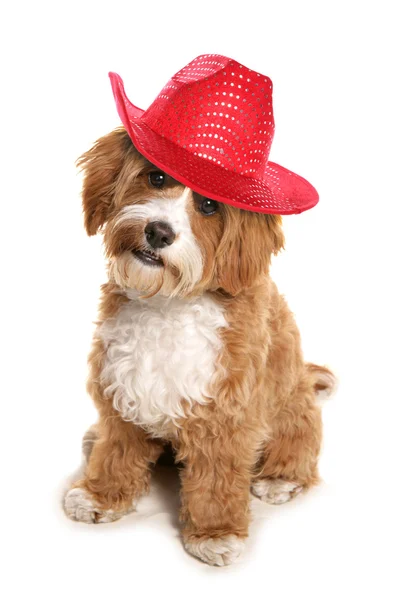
x=147 y=273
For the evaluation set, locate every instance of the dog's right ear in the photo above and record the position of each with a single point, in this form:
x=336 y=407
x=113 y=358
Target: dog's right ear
x=102 y=165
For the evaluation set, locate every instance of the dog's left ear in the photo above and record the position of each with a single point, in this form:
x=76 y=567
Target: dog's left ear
x=248 y=242
x=275 y=233
x=102 y=165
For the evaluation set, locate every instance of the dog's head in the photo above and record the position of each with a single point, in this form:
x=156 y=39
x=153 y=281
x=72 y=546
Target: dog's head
x=160 y=236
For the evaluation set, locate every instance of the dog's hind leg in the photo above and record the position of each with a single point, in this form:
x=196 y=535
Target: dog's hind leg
x=289 y=462
x=89 y=438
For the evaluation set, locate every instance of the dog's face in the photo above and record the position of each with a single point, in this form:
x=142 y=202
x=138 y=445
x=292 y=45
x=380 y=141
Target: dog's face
x=160 y=236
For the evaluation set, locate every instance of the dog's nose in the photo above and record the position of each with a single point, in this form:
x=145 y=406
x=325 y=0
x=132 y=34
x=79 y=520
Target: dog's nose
x=159 y=234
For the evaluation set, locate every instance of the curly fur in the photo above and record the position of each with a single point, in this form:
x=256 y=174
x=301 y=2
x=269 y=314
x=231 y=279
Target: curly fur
x=207 y=358
x=153 y=373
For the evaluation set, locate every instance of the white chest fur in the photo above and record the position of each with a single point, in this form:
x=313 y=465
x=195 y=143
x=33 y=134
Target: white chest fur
x=159 y=352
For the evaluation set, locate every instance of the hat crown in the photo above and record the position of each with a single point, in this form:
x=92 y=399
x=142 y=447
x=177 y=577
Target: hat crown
x=219 y=110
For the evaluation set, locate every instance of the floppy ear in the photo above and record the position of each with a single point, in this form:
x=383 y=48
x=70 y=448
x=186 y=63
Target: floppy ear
x=249 y=239
x=102 y=165
x=275 y=233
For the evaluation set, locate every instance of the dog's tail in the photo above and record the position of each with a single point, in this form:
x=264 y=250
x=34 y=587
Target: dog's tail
x=325 y=382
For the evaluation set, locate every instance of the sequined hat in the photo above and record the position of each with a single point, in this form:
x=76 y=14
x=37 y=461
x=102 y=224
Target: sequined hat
x=211 y=128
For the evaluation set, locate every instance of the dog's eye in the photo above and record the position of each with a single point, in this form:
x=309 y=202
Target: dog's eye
x=208 y=207
x=156 y=179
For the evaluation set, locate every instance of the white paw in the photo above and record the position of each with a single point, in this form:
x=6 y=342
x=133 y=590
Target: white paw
x=275 y=491
x=217 y=551
x=79 y=506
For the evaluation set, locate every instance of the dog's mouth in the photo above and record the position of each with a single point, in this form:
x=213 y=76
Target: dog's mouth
x=147 y=257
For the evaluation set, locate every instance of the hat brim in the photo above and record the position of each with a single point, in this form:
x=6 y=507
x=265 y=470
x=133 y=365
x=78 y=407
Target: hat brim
x=279 y=191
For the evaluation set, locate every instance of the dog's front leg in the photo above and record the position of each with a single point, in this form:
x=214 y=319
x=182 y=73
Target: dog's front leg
x=215 y=489
x=117 y=472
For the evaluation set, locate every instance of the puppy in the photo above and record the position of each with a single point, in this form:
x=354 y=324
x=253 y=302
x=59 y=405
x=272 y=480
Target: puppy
x=194 y=347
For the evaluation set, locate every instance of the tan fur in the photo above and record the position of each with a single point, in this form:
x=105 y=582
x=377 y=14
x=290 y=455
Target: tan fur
x=120 y=454
x=264 y=421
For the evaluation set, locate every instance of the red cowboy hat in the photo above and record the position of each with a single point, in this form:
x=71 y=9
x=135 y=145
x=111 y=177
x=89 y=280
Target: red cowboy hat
x=211 y=128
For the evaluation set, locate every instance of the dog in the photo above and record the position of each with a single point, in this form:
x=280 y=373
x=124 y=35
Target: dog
x=196 y=348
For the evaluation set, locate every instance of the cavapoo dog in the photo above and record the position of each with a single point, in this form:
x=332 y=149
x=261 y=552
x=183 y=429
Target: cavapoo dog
x=196 y=348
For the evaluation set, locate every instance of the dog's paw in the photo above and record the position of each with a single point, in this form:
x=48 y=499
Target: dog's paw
x=218 y=552
x=275 y=491
x=79 y=506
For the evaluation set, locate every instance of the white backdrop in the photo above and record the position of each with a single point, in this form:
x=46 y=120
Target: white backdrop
x=332 y=65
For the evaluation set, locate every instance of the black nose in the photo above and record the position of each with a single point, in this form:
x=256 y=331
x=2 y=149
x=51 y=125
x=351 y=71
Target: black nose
x=159 y=234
